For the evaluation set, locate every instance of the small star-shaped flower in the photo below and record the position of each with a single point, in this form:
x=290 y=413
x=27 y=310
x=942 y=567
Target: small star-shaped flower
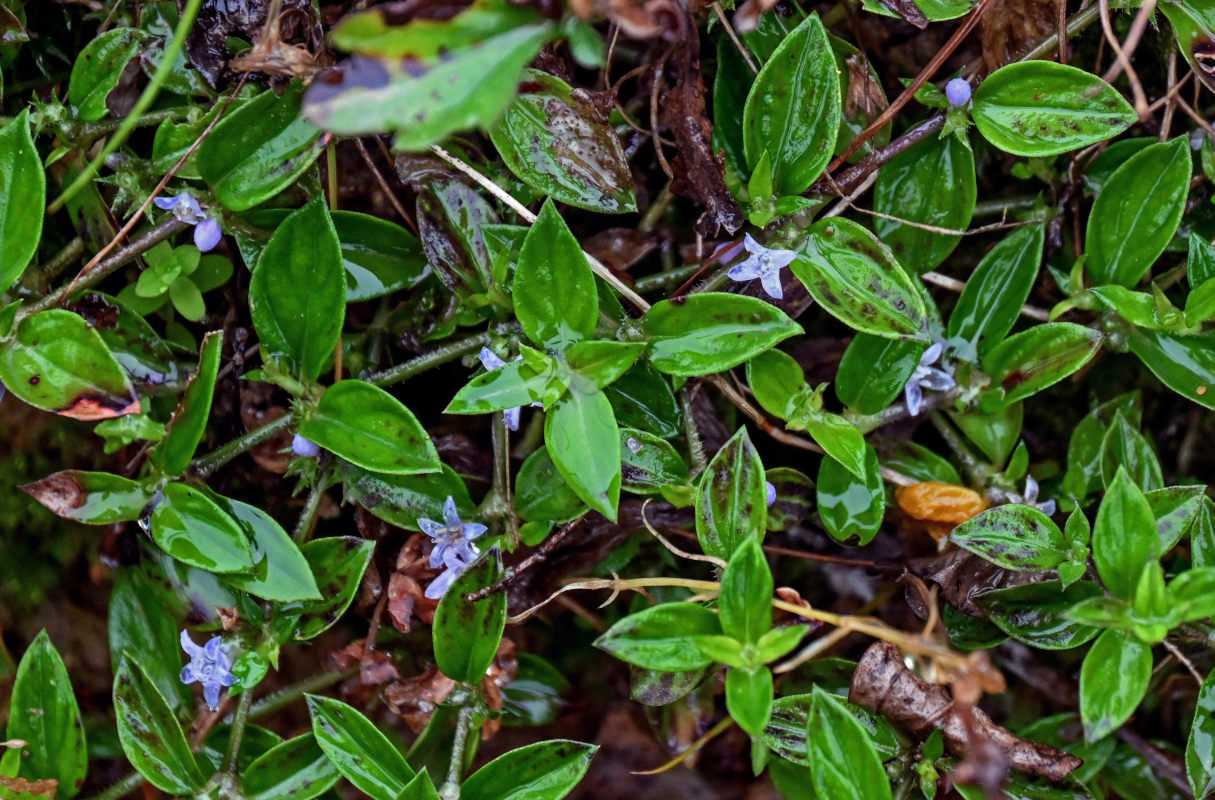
x=926 y=376
x=207 y=232
x=1030 y=498
x=209 y=665
x=764 y=264
x=454 y=549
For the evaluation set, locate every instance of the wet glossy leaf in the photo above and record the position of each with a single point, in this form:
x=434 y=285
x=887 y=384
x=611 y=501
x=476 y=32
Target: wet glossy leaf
x=555 y=142
x=186 y=428
x=141 y=623
x=542 y=771
x=731 y=498
x=452 y=222
x=189 y=526
x=848 y=505
x=297 y=295
x=420 y=787
x=1113 y=680
x=99 y=68
x=358 y=749
x=23 y=187
x=997 y=289
x=1200 y=263
x=731 y=83
x=516 y=383
x=712 y=332
x=661 y=637
x=425 y=99
x=1035 y=613
x=541 y=493
x=642 y=398
x=584 y=444
x=649 y=462
x=1040 y=108
x=874 y=371
x=58 y=363
x=337 y=566
x=1176 y=509
x=601 y=361
x=1013 y=536
x=369 y=427
x=1137 y=212
x=1124 y=536
x=1028 y=362
x=150 y=735
x=933 y=183
x=656 y=688
x=749 y=697
x=857 y=280
x=43 y=713
x=793 y=108
x=403 y=500
x=297 y=769
x=843 y=761
x=554 y=289
x=94 y=498
x=1083 y=474
x=380 y=257
x=1123 y=446
x=745 y=603
x=1200 y=746
x=1186 y=364
x=466 y=635
x=258 y=150
x=996 y=433
x=280 y=571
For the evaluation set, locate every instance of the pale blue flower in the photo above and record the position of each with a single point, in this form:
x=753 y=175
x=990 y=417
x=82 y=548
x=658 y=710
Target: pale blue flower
x=207 y=232
x=926 y=376
x=209 y=665
x=454 y=549
x=305 y=448
x=1030 y=498
x=491 y=361
x=771 y=492
x=957 y=92
x=764 y=264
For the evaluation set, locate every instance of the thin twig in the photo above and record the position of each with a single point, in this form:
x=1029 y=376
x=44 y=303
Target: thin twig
x=1121 y=62
x=384 y=187
x=742 y=48
x=955 y=285
x=513 y=574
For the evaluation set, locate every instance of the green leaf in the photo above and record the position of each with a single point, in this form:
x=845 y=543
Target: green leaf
x=99 y=68
x=1200 y=745
x=999 y=286
x=843 y=761
x=369 y=427
x=642 y=398
x=297 y=295
x=661 y=637
x=296 y=769
x=1040 y=108
x=258 y=150
x=421 y=787
x=777 y=642
x=516 y=383
x=1200 y=263
x=58 y=363
x=542 y=771
x=712 y=332
x=745 y=601
x=149 y=733
x=425 y=99
x=189 y=421
x=1123 y=446
x=1124 y=536
x=1036 y=613
x=380 y=257
x=1137 y=213
x=584 y=443
x=555 y=142
x=140 y=623
x=23 y=187
x=731 y=498
x=1176 y=509
x=601 y=362
x=94 y=498
x=43 y=713
x=541 y=493
x=996 y=433
x=857 y=280
x=648 y=462
x=280 y=571
x=874 y=371
x=1185 y=364
x=358 y=749
x=933 y=183
x=1013 y=536
x=1083 y=474
x=749 y=697
x=402 y=500
x=466 y=635
x=1113 y=679
x=1028 y=362
x=337 y=566
x=840 y=440
x=188 y=525
x=554 y=288
x=793 y=108
x=850 y=506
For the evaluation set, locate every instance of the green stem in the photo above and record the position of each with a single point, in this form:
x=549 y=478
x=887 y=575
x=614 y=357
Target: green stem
x=671 y=276
x=696 y=447
x=237 y=732
x=40 y=278
x=451 y=787
x=1074 y=25
x=500 y=440
x=285 y=697
x=204 y=466
x=91 y=130
x=976 y=470
x=303 y=528
x=993 y=208
x=440 y=355
x=167 y=61
x=121 y=789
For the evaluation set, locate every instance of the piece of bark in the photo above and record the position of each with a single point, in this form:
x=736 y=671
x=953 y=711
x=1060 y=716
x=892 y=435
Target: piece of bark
x=884 y=684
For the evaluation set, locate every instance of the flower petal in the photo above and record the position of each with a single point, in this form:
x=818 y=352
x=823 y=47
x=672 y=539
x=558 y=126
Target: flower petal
x=914 y=398
x=429 y=527
x=781 y=258
x=932 y=354
x=188 y=645
x=511 y=416
x=771 y=282
x=936 y=379
x=489 y=359
x=211 y=695
x=207 y=234
x=753 y=246
x=439 y=586
x=1031 y=490
x=1048 y=508
x=165 y=202
x=745 y=270
x=450 y=514
x=437 y=554
x=472 y=530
